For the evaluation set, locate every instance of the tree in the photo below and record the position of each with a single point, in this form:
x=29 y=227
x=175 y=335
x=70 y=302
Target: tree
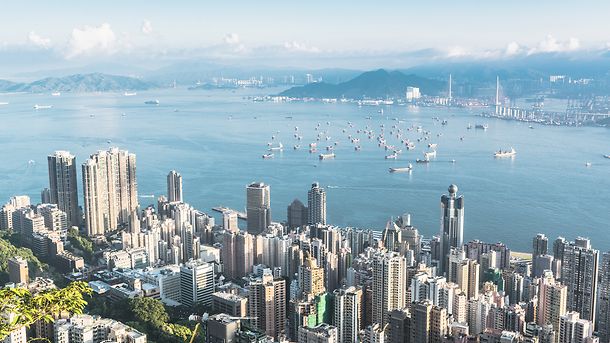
x=150 y=311
x=20 y=308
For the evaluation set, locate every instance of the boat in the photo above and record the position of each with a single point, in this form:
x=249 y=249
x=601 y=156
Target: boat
x=429 y=154
x=505 y=153
x=425 y=160
x=55 y=94
x=606 y=156
x=152 y=102
x=588 y=164
x=280 y=147
x=469 y=126
x=3 y=103
x=357 y=148
x=391 y=157
x=326 y=156
x=481 y=126
x=531 y=127
x=42 y=107
x=401 y=169
x=129 y=93
x=268 y=156
x=296 y=147
x=432 y=145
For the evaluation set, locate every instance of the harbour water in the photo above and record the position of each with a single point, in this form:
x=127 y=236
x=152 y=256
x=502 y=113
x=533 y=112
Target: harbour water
x=216 y=139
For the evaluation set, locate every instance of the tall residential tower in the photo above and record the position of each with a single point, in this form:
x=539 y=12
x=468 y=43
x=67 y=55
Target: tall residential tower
x=62 y=184
x=452 y=225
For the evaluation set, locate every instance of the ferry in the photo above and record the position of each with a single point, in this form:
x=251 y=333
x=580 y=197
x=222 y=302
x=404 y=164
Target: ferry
x=42 y=107
x=481 y=126
x=391 y=157
x=280 y=147
x=129 y=93
x=152 y=102
x=326 y=156
x=401 y=169
x=506 y=153
x=268 y=156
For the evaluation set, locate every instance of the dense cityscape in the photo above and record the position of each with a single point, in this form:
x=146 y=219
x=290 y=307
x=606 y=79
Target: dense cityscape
x=255 y=277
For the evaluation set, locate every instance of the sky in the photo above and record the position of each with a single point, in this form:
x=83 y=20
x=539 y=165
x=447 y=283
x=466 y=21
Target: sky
x=359 y=33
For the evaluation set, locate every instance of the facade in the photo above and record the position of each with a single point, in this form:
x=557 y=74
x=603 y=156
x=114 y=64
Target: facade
x=196 y=283
x=579 y=273
x=321 y=333
x=110 y=190
x=93 y=329
x=603 y=292
x=18 y=270
x=389 y=286
x=452 y=225
x=222 y=328
x=231 y=304
x=297 y=214
x=311 y=278
x=174 y=187
x=267 y=304
x=316 y=204
x=63 y=189
x=348 y=311
x=573 y=329
x=258 y=207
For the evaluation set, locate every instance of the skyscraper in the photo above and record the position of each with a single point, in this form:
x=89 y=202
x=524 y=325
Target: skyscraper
x=297 y=214
x=258 y=207
x=552 y=300
x=579 y=274
x=348 y=309
x=110 y=190
x=311 y=278
x=174 y=187
x=267 y=304
x=316 y=203
x=62 y=184
x=389 y=285
x=452 y=225
x=603 y=317
x=420 y=321
x=539 y=245
x=573 y=329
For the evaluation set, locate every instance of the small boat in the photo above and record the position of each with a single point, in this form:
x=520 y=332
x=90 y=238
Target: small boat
x=606 y=156
x=326 y=156
x=357 y=148
x=312 y=145
x=429 y=154
x=280 y=147
x=401 y=169
x=124 y=114
x=531 y=127
x=129 y=93
x=312 y=150
x=432 y=145
x=425 y=160
x=588 y=164
x=152 y=102
x=42 y=107
x=296 y=147
x=505 y=153
x=481 y=126
x=3 y=103
x=268 y=156
x=469 y=126
x=391 y=157
x=55 y=94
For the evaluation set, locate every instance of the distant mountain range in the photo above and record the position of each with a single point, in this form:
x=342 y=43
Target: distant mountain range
x=378 y=84
x=96 y=82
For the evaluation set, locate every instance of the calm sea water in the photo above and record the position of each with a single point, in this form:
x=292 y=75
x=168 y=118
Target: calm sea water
x=216 y=140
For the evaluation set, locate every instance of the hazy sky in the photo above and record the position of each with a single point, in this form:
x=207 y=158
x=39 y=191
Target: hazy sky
x=257 y=29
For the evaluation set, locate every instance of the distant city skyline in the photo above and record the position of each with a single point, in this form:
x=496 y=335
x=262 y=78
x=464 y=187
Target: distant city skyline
x=341 y=34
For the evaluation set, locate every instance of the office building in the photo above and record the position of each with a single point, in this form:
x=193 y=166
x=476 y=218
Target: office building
x=222 y=328
x=316 y=203
x=452 y=225
x=232 y=304
x=311 y=278
x=579 y=273
x=603 y=291
x=174 y=187
x=93 y=329
x=230 y=221
x=539 y=245
x=63 y=189
x=420 y=321
x=552 y=301
x=258 y=207
x=389 y=286
x=400 y=326
x=110 y=190
x=412 y=94
x=573 y=329
x=196 y=283
x=297 y=214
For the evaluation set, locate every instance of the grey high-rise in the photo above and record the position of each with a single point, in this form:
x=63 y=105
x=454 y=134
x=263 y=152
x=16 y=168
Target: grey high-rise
x=603 y=316
x=316 y=203
x=258 y=207
x=63 y=188
x=539 y=245
x=174 y=187
x=579 y=271
x=452 y=225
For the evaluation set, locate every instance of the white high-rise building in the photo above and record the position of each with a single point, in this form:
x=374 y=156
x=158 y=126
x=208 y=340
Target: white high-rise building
x=110 y=190
x=389 y=285
x=258 y=207
x=321 y=333
x=348 y=309
x=412 y=94
x=316 y=204
x=174 y=187
x=196 y=283
x=63 y=189
x=573 y=329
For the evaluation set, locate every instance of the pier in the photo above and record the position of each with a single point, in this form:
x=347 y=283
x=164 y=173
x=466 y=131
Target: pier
x=222 y=209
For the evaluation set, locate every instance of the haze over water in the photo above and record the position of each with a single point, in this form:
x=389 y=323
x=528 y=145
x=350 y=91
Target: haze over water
x=216 y=140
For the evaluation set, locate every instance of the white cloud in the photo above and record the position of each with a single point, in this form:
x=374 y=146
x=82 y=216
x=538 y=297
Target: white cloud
x=513 y=48
x=295 y=46
x=457 y=51
x=39 y=41
x=147 y=27
x=231 y=38
x=91 y=40
x=551 y=44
